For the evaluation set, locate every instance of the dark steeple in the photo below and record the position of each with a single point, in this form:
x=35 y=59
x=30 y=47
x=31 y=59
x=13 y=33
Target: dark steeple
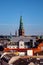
x=21 y=29
x=21 y=23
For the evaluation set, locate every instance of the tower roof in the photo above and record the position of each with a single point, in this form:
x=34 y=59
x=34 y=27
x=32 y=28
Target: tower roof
x=21 y=29
x=21 y=23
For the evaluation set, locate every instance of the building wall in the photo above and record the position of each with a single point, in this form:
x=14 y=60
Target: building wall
x=11 y=46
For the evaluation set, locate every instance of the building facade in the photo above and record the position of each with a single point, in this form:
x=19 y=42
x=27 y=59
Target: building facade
x=22 y=41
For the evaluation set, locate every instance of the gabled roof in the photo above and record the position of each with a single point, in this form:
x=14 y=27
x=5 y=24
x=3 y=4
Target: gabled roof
x=25 y=39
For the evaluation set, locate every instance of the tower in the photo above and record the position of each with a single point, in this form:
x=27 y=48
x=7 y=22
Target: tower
x=16 y=33
x=21 y=29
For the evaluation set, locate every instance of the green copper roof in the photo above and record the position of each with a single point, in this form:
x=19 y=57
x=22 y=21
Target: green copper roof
x=21 y=23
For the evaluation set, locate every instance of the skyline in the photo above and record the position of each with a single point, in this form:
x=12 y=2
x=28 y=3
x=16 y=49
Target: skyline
x=31 y=12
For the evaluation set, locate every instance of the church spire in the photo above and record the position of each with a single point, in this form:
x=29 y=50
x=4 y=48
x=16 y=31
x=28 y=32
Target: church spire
x=21 y=29
x=21 y=23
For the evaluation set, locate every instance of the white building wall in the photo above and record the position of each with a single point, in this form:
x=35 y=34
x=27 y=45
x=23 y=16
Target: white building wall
x=11 y=46
x=21 y=44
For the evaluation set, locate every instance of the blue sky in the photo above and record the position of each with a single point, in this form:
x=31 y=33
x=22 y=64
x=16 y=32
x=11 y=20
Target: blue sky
x=31 y=11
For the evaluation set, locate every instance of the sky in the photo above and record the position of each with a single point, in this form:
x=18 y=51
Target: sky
x=31 y=12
